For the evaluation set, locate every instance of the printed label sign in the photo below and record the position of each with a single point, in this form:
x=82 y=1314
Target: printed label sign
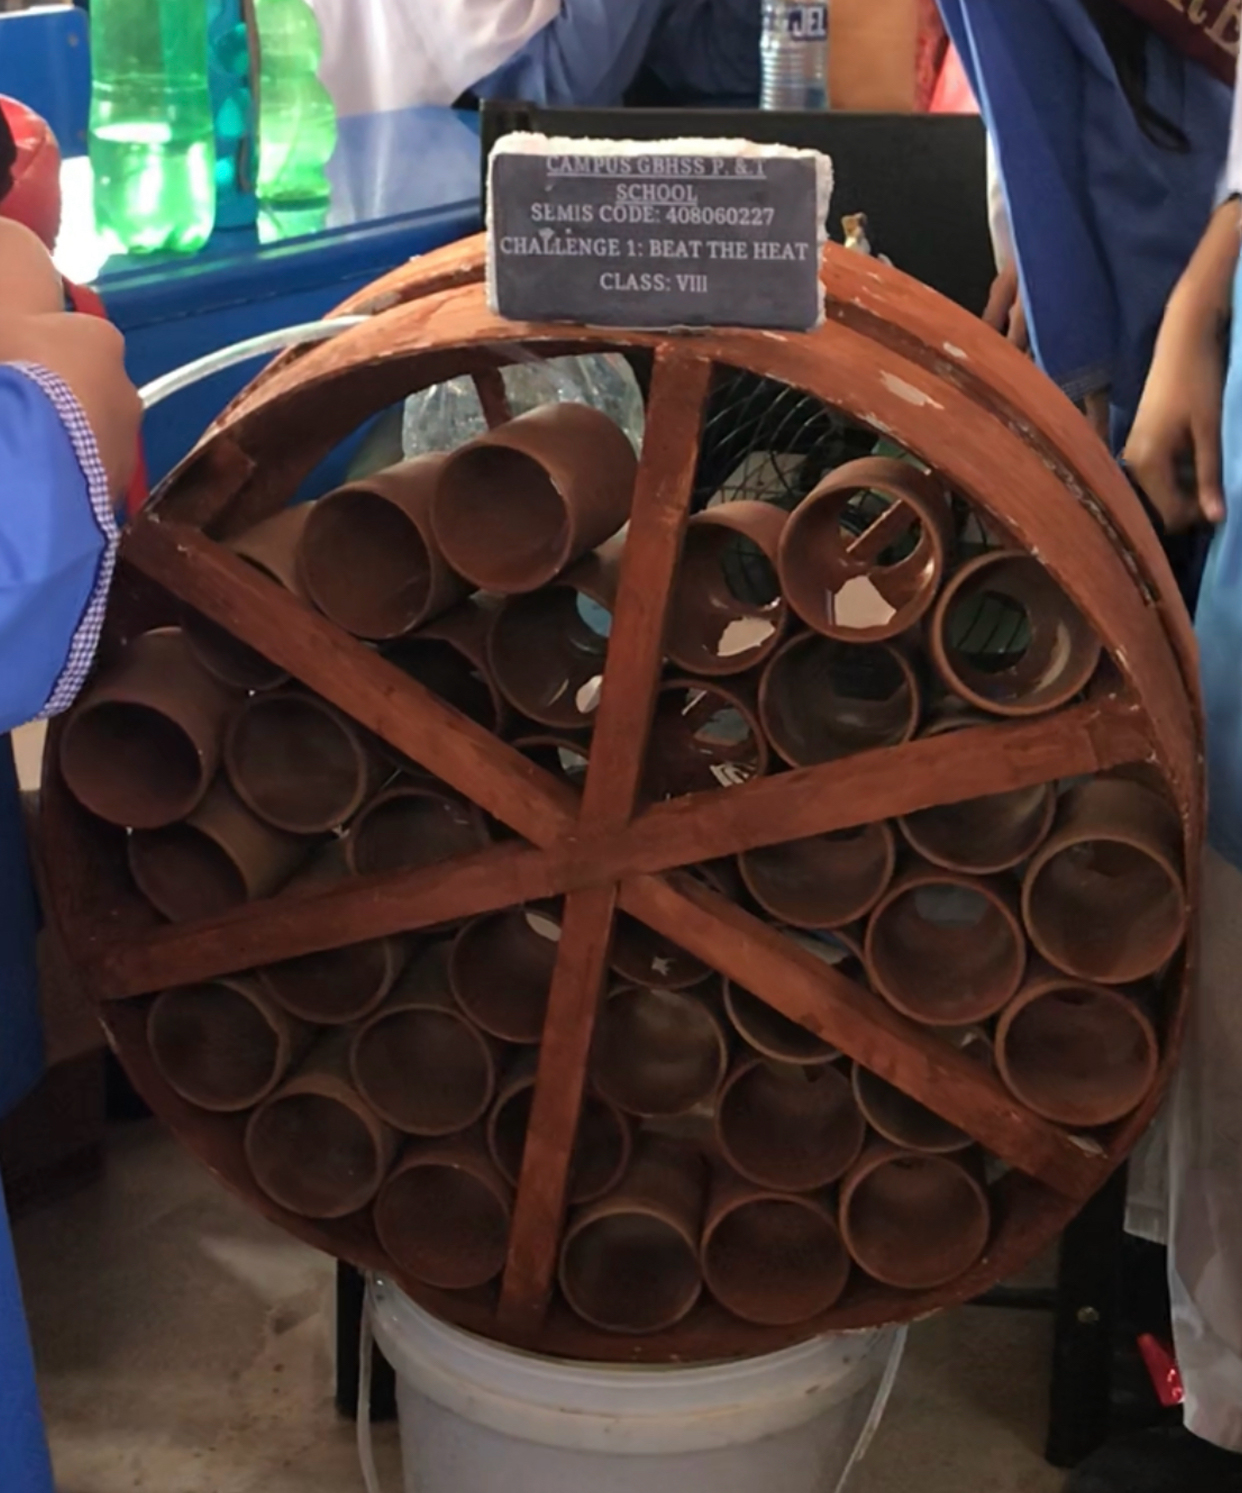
x=686 y=234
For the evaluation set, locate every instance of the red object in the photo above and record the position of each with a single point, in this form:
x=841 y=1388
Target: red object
x=34 y=200
x=1162 y=1366
x=953 y=93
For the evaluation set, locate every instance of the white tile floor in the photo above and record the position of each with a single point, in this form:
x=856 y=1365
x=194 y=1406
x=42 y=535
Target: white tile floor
x=184 y=1347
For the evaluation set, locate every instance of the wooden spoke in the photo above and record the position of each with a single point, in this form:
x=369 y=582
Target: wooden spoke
x=662 y=495
x=352 y=911
x=865 y=1029
x=881 y=784
x=376 y=694
x=493 y=396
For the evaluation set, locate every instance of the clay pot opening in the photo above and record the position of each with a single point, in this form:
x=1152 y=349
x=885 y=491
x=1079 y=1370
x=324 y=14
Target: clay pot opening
x=501 y=971
x=657 y=1053
x=787 y=1128
x=824 y=881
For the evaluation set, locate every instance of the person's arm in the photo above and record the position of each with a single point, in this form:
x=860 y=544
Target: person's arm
x=1179 y=415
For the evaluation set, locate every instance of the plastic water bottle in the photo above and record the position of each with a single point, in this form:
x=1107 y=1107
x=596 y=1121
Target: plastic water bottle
x=152 y=145
x=794 y=52
x=232 y=106
x=297 y=121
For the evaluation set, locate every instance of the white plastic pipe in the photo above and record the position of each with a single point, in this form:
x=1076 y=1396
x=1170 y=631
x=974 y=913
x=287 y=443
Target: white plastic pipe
x=281 y=340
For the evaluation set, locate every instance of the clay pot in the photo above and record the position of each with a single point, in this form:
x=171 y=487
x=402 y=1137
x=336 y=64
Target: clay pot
x=770 y=1258
x=517 y=506
x=726 y=612
x=412 y=826
x=630 y=1262
x=299 y=764
x=449 y=657
x=602 y=1148
x=911 y=1221
x=418 y=1062
x=1104 y=899
x=863 y=587
x=824 y=881
x=224 y=1045
x=547 y=651
x=981 y=836
x=774 y=1036
x=788 y=1128
x=1007 y=638
x=1075 y=1053
x=703 y=737
x=337 y=985
x=501 y=971
x=820 y=700
x=904 y=1121
x=643 y=957
x=564 y=756
x=142 y=747
x=221 y=857
x=443 y=1215
x=314 y=1147
x=271 y=547
x=658 y=1053
x=946 y=949
x=369 y=559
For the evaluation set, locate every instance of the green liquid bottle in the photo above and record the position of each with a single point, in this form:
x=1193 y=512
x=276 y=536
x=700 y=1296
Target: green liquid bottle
x=152 y=143
x=297 y=121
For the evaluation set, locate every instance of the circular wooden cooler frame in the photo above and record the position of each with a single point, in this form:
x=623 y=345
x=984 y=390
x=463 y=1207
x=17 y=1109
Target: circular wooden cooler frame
x=893 y=356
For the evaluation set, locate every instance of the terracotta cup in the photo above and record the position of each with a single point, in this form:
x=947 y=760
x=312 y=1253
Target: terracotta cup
x=271 y=547
x=1076 y=1053
x=225 y=1044
x=411 y=826
x=905 y=1122
x=914 y=1221
x=787 y=1128
x=630 y=1262
x=449 y=657
x=501 y=971
x=299 y=764
x=726 y=612
x=643 y=957
x=142 y=746
x=820 y=699
x=1105 y=898
x=516 y=507
x=981 y=836
x=824 y=881
x=602 y=1148
x=771 y=1258
x=219 y=858
x=946 y=949
x=704 y=737
x=1006 y=637
x=417 y=1061
x=773 y=1035
x=368 y=556
x=658 y=1053
x=338 y=985
x=564 y=755
x=315 y=1148
x=443 y=1215
x=863 y=555
x=547 y=650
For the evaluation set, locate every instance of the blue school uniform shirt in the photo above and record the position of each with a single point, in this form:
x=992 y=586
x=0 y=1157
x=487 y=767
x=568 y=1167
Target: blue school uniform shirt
x=57 y=547
x=1104 y=219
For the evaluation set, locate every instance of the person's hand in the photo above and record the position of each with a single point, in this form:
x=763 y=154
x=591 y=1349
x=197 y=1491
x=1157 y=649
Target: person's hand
x=1004 y=311
x=1174 y=447
x=89 y=355
x=29 y=283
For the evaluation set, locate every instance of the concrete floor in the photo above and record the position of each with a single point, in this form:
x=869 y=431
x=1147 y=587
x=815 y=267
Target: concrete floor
x=184 y=1347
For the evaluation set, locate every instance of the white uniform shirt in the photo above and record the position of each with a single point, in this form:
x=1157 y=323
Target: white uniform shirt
x=393 y=54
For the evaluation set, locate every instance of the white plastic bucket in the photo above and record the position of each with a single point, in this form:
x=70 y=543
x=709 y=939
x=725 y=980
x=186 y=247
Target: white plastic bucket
x=478 y=1418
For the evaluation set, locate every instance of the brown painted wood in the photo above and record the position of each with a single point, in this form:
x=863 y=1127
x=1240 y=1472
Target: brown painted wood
x=865 y=1028
x=670 y=454
x=493 y=397
x=893 y=356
